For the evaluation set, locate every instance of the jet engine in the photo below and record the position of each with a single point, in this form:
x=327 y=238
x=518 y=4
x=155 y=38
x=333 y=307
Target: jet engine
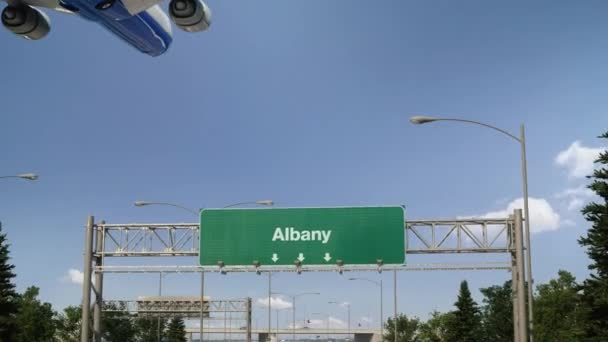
x=190 y=15
x=26 y=21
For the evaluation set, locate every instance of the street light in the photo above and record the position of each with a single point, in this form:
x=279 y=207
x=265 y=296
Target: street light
x=418 y=120
x=379 y=284
x=293 y=301
x=28 y=176
x=327 y=316
x=145 y=203
x=262 y=202
x=348 y=307
x=197 y=213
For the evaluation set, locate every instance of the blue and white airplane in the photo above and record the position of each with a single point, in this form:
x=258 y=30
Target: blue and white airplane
x=141 y=23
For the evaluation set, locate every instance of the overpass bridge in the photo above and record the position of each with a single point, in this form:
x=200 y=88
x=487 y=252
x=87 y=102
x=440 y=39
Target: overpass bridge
x=300 y=331
x=359 y=335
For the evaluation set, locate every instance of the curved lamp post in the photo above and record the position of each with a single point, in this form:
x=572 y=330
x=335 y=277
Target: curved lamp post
x=197 y=213
x=28 y=176
x=379 y=284
x=145 y=203
x=418 y=120
x=293 y=302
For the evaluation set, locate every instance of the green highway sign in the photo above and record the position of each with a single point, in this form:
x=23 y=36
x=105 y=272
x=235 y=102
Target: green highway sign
x=306 y=236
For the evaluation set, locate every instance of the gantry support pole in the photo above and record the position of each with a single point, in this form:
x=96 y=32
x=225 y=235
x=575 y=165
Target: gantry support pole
x=86 y=285
x=521 y=285
x=98 y=286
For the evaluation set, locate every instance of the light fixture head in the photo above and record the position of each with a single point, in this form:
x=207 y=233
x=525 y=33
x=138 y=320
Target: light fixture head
x=421 y=119
x=28 y=176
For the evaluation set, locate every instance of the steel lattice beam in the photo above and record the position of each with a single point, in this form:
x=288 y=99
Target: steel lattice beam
x=426 y=236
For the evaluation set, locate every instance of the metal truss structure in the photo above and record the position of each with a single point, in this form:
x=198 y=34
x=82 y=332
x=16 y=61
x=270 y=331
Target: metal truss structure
x=459 y=236
x=182 y=239
x=423 y=237
x=185 y=307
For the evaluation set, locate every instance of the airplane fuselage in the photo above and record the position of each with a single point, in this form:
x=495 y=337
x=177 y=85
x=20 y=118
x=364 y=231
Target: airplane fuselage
x=148 y=31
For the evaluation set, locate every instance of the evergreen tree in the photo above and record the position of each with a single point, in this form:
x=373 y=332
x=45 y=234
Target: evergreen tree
x=36 y=320
x=176 y=331
x=436 y=328
x=466 y=325
x=408 y=329
x=118 y=325
x=558 y=310
x=69 y=324
x=148 y=329
x=497 y=313
x=8 y=295
x=595 y=288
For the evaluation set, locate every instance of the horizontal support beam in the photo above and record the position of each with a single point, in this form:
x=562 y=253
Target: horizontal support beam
x=197 y=269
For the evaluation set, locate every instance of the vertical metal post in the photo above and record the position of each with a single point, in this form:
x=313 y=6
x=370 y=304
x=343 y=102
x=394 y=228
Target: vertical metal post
x=511 y=235
x=521 y=297
x=202 y=304
x=348 y=306
x=381 y=314
x=98 y=286
x=248 y=337
x=160 y=293
x=225 y=314
x=86 y=285
x=293 y=300
x=524 y=172
x=269 y=305
x=514 y=297
x=395 y=299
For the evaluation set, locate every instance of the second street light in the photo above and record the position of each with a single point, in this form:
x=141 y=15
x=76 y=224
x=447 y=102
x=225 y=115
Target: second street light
x=379 y=284
x=27 y=176
x=348 y=308
x=418 y=120
x=293 y=302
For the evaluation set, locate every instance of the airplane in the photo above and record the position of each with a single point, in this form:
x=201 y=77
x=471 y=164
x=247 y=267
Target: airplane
x=140 y=23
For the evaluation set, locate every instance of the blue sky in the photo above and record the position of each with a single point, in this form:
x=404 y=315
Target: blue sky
x=305 y=103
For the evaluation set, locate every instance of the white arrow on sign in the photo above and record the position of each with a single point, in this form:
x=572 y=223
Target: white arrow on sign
x=327 y=257
x=274 y=257
x=301 y=257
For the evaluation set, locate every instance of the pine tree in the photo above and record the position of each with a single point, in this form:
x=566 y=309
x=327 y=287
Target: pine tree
x=148 y=329
x=595 y=288
x=466 y=323
x=408 y=329
x=36 y=320
x=69 y=323
x=8 y=295
x=497 y=313
x=558 y=310
x=176 y=331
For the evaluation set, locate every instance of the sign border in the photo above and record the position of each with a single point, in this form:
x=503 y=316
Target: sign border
x=308 y=268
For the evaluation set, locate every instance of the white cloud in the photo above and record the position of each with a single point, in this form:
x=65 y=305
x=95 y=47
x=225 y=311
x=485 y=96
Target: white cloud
x=575 y=203
x=542 y=216
x=576 y=197
x=568 y=223
x=581 y=191
x=74 y=276
x=277 y=303
x=578 y=159
x=366 y=320
x=334 y=323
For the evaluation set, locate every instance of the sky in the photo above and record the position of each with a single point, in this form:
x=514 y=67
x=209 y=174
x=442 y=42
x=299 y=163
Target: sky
x=307 y=104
